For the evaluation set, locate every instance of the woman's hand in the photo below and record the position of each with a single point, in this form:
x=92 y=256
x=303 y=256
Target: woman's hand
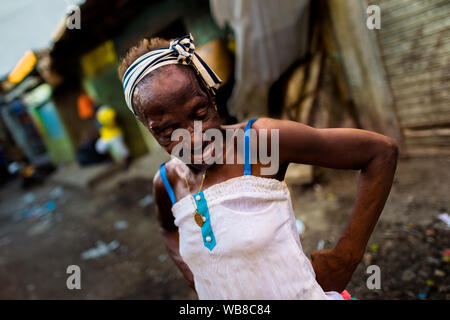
x=333 y=271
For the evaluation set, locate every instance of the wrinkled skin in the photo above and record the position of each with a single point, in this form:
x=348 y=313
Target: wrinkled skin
x=174 y=98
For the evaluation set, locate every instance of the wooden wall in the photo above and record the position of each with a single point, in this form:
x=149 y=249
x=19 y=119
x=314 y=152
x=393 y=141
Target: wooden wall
x=414 y=42
x=363 y=67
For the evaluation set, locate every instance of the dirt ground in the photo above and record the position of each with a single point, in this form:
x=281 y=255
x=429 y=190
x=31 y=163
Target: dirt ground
x=37 y=246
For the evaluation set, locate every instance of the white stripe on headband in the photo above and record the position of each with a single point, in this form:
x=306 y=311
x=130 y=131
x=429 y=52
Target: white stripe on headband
x=180 y=51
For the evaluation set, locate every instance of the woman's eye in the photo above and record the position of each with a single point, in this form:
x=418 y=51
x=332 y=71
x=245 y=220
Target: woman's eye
x=202 y=113
x=165 y=141
x=166 y=135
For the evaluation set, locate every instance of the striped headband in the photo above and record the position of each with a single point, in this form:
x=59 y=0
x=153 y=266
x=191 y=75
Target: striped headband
x=180 y=51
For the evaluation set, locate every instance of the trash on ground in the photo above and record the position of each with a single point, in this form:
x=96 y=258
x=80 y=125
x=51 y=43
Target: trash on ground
x=408 y=275
x=300 y=226
x=423 y=295
x=429 y=283
x=13 y=167
x=56 y=193
x=439 y=273
x=146 y=201
x=37 y=211
x=121 y=225
x=368 y=258
x=320 y=244
x=50 y=206
x=409 y=229
x=162 y=258
x=29 y=198
x=374 y=247
x=100 y=250
x=446 y=255
x=444 y=217
x=5 y=241
x=432 y=260
x=39 y=228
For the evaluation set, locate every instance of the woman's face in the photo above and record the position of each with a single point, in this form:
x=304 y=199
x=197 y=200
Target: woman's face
x=172 y=99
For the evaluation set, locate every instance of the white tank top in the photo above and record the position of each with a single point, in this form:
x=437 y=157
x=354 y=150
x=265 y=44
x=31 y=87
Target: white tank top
x=252 y=249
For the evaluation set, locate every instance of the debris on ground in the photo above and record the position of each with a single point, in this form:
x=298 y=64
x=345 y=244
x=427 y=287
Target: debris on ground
x=40 y=227
x=439 y=273
x=100 y=250
x=5 y=241
x=29 y=198
x=408 y=275
x=368 y=258
x=412 y=266
x=300 y=226
x=56 y=193
x=162 y=258
x=444 y=217
x=374 y=247
x=121 y=225
x=146 y=201
x=321 y=244
x=38 y=211
x=446 y=255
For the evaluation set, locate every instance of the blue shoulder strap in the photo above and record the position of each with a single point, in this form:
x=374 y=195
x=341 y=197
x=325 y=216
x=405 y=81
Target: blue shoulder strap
x=247 y=162
x=163 y=174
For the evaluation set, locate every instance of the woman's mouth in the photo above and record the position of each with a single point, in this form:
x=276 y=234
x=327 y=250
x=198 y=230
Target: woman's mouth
x=203 y=155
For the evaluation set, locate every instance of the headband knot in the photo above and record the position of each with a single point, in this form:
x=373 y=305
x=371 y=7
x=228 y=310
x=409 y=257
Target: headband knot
x=184 y=47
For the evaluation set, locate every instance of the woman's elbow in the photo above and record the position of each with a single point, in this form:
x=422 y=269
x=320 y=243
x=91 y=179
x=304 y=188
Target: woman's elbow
x=388 y=150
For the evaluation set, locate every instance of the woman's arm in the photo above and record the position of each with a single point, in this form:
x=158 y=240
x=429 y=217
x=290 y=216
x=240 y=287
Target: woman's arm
x=373 y=154
x=168 y=229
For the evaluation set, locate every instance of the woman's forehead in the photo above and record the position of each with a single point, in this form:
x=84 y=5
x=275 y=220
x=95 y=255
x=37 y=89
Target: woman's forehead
x=159 y=113
x=169 y=87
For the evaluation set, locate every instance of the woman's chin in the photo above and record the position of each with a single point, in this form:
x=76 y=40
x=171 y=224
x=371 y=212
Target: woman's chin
x=199 y=161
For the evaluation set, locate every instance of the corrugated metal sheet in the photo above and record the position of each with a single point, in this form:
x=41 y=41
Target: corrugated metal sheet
x=415 y=44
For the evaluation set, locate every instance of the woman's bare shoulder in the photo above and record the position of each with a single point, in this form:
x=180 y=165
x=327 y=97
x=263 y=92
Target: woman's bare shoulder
x=260 y=123
x=172 y=167
x=234 y=126
x=270 y=123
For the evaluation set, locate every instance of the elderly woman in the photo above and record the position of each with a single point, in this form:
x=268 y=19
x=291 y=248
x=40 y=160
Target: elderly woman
x=235 y=238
